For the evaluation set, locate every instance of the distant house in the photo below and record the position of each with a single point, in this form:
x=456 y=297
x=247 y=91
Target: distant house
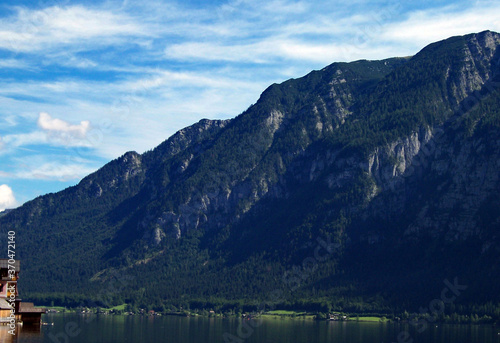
x=334 y=316
x=23 y=312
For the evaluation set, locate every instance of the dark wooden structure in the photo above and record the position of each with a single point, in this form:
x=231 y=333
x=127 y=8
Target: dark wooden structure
x=24 y=312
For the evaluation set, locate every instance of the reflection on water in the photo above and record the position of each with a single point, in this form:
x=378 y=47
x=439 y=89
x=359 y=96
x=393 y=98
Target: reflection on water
x=75 y=328
x=5 y=336
x=28 y=333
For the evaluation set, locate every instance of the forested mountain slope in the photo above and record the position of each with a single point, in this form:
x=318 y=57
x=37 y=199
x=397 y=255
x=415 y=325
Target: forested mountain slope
x=391 y=167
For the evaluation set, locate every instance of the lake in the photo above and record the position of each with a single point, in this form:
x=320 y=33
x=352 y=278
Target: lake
x=109 y=329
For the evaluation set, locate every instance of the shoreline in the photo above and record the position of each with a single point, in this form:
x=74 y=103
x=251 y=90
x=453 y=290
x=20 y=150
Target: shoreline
x=269 y=315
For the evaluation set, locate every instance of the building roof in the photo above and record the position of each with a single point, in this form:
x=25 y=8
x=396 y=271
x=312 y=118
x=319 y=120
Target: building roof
x=4 y=304
x=4 y=264
x=29 y=308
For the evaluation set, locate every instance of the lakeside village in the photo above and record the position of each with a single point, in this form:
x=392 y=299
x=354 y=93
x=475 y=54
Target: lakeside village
x=279 y=314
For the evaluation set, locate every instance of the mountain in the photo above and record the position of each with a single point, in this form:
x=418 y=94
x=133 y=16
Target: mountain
x=4 y=212
x=363 y=187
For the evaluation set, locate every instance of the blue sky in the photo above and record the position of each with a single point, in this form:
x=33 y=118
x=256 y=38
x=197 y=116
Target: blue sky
x=82 y=82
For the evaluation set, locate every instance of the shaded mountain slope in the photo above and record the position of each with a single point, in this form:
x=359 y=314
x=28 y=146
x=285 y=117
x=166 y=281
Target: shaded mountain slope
x=393 y=162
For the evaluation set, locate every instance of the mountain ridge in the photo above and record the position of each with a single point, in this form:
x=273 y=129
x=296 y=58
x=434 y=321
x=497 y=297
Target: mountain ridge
x=392 y=159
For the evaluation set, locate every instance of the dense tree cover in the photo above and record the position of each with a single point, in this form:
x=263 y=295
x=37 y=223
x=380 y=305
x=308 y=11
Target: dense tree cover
x=296 y=236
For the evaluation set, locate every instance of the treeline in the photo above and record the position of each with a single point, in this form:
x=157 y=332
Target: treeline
x=461 y=314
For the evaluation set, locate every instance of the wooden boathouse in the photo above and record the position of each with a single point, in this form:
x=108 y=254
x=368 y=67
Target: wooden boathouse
x=24 y=312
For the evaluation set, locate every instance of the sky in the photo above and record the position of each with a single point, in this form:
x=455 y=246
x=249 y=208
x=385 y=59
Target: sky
x=83 y=82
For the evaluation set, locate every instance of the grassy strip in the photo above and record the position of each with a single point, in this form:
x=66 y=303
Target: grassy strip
x=286 y=313
x=368 y=319
x=116 y=308
x=287 y=317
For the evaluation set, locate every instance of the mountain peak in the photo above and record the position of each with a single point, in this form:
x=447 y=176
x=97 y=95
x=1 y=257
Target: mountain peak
x=387 y=159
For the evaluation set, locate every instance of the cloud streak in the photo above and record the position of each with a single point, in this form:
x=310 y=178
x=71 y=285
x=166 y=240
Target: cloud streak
x=424 y=27
x=323 y=37
x=38 y=30
x=55 y=171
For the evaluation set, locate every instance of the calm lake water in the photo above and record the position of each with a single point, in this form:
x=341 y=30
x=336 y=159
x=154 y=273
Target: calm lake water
x=110 y=329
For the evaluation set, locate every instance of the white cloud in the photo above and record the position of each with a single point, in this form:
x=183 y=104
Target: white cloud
x=53 y=131
x=35 y=30
x=325 y=36
x=61 y=127
x=424 y=27
x=7 y=198
x=2 y=144
x=277 y=50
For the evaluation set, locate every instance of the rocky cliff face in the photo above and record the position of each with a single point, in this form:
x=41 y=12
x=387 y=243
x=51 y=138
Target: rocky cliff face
x=327 y=99
x=377 y=155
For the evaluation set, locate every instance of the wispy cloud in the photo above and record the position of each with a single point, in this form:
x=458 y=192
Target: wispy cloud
x=24 y=139
x=325 y=36
x=427 y=26
x=55 y=171
x=36 y=30
x=52 y=166
x=12 y=63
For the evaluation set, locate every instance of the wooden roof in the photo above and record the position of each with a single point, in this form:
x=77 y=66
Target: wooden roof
x=29 y=308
